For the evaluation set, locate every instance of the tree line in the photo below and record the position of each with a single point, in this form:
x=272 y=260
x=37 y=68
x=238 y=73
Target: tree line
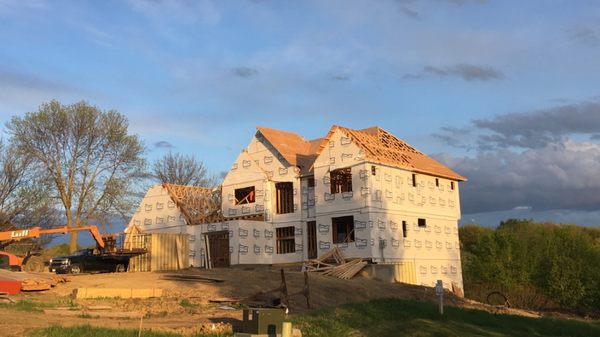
x=78 y=164
x=536 y=265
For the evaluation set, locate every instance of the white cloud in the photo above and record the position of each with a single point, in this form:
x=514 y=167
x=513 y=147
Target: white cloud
x=561 y=175
x=12 y=6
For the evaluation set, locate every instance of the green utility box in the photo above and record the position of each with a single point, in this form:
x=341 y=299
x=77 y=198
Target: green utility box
x=265 y=321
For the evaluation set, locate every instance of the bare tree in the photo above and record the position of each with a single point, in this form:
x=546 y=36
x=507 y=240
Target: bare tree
x=24 y=201
x=176 y=168
x=88 y=157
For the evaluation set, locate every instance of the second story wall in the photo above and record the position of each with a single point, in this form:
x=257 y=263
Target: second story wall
x=344 y=192
x=244 y=190
x=262 y=167
x=394 y=190
x=158 y=213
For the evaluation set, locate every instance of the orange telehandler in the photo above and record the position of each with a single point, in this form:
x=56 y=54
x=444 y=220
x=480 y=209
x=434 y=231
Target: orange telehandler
x=34 y=263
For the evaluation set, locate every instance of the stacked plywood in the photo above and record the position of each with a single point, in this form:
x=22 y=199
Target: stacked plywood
x=333 y=263
x=32 y=281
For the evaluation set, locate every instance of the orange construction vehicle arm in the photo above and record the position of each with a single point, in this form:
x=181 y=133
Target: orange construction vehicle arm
x=35 y=232
x=94 y=231
x=16 y=235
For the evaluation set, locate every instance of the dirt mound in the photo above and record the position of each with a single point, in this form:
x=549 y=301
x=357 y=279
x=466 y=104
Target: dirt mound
x=186 y=305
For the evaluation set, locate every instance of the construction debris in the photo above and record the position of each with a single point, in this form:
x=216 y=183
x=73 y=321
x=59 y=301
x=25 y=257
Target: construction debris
x=191 y=278
x=32 y=281
x=333 y=263
x=4 y=298
x=225 y=300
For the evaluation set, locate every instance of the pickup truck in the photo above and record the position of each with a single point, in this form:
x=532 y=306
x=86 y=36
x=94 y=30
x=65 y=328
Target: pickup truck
x=87 y=260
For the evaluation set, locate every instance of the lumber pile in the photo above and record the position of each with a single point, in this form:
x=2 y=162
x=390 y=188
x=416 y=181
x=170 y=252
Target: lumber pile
x=33 y=281
x=334 y=263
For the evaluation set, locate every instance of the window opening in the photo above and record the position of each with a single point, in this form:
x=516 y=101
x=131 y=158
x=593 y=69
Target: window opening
x=452 y=185
x=286 y=242
x=244 y=195
x=414 y=180
x=437 y=182
x=341 y=180
x=404 y=229
x=284 y=197
x=343 y=229
x=373 y=170
x=311 y=182
x=422 y=223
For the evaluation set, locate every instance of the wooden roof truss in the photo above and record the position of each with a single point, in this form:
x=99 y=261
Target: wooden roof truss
x=198 y=205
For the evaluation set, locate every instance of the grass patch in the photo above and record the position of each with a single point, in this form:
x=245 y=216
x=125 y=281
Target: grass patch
x=387 y=317
x=27 y=305
x=394 y=317
x=92 y=331
x=187 y=304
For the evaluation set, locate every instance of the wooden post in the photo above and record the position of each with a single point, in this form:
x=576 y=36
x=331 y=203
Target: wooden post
x=208 y=259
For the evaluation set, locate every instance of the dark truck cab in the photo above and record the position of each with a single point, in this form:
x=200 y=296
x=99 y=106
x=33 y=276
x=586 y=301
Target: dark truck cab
x=89 y=260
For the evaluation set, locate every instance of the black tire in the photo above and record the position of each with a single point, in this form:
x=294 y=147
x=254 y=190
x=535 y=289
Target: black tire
x=120 y=268
x=34 y=264
x=75 y=269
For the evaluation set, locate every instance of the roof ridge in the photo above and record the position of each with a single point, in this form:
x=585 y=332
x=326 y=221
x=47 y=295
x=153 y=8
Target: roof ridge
x=378 y=145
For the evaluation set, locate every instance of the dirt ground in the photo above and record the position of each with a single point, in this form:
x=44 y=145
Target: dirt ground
x=185 y=306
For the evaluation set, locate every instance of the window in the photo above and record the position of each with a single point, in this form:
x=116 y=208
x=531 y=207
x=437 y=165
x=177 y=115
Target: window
x=373 y=170
x=341 y=180
x=244 y=195
x=343 y=229
x=404 y=229
x=311 y=182
x=437 y=182
x=414 y=180
x=286 y=242
x=422 y=223
x=284 y=197
x=452 y=185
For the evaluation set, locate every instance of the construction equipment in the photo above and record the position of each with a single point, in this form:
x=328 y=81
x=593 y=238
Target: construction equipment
x=32 y=262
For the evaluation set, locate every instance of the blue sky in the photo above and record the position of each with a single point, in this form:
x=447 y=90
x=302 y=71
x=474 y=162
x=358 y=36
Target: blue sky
x=505 y=92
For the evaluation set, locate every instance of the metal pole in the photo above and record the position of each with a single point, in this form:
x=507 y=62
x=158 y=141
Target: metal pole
x=439 y=290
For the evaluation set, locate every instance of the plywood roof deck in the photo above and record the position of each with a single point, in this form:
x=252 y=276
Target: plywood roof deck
x=378 y=145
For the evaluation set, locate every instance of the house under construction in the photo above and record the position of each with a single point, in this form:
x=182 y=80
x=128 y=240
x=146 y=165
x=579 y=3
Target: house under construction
x=287 y=199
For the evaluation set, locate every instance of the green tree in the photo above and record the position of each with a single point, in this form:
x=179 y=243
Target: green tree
x=538 y=265
x=85 y=154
